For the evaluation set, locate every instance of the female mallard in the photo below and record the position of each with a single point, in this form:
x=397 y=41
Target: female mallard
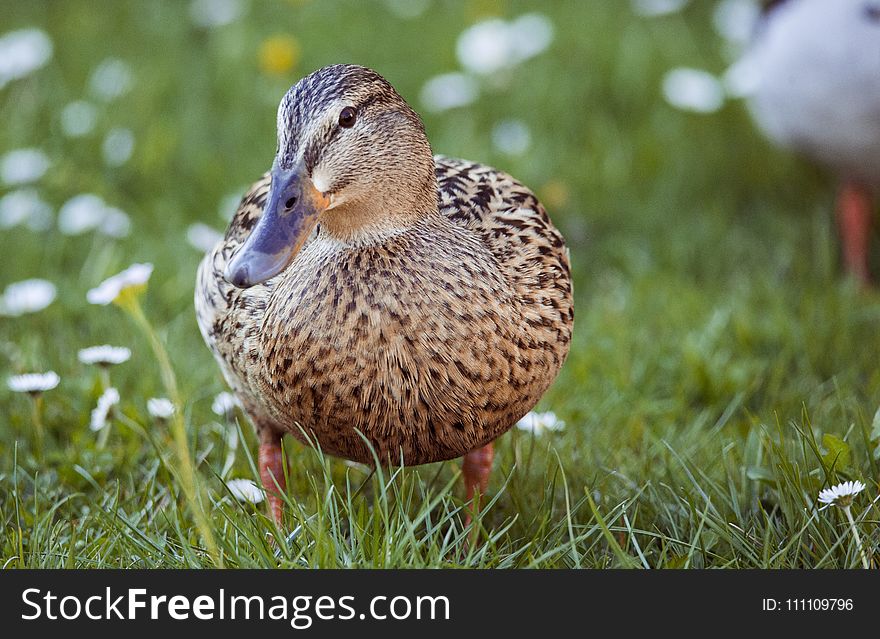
x=817 y=91
x=369 y=295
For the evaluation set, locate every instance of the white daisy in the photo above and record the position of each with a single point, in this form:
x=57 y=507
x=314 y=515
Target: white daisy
x=87 y=212
x=743 y=77
x=23 y=166
x=229 y=203
x=483 y=48
x=530 y=34
x=81 y=213
x=111 y=79
x=116 y=223
x=449 y=91
x=108 y=399
x=511 y=137
x=224 y=404
x=841 y=494
x=28 y=296
x=202 y=237
x=492 y=45
x=160 y=407
x=538 y=423
x=118 y=146
x=78 y=119
x=33 y=383
x=108 y=290
x=25 y=206
x=735 y=20
x=245 y=490
x=693 y=90
x=215 y=13
x=104 y=355
x=23 y=52
x=655 y=8
x=407 y=9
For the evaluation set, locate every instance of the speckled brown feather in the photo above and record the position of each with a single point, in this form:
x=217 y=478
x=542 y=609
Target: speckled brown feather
x=431 y=343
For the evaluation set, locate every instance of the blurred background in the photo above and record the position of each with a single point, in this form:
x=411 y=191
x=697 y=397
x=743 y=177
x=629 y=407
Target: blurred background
x=708 y=294
x=131 y=130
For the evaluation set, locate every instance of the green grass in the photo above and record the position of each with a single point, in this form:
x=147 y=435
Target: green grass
x=722 y=370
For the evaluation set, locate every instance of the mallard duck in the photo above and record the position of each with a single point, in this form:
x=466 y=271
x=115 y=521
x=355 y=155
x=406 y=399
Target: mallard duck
x=817 y=91
x=380 y=302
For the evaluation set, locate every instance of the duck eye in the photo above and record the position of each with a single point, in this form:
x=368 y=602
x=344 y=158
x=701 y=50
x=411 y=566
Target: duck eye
x=347 y=117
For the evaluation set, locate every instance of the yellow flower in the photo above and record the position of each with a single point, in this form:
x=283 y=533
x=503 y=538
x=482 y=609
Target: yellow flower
x=279 y=54
x=554 y=194
x=484 y=9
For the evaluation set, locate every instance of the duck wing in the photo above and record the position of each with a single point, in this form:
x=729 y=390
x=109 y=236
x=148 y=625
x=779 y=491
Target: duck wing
x=513 y=225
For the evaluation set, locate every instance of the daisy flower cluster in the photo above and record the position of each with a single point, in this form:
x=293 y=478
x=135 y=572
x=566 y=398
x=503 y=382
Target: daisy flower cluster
x=31 y=296
x=123 y=290
x=697 y=90
x=489 y=52
x=23 y=53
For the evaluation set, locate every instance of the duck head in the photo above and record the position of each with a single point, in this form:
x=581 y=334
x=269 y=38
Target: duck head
x=351 y=155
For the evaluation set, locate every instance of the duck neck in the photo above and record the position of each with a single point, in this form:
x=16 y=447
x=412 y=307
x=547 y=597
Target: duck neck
x=372 y=218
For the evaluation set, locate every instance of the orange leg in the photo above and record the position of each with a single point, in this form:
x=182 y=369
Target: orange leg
x=271 y=463
x=476 y=466
x=854 y=221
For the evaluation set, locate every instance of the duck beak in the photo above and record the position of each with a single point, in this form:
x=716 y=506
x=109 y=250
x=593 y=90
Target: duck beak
x=291 y=212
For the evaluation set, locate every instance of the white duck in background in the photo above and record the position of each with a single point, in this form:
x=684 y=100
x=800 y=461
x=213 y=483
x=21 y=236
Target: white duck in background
x=816 y=90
